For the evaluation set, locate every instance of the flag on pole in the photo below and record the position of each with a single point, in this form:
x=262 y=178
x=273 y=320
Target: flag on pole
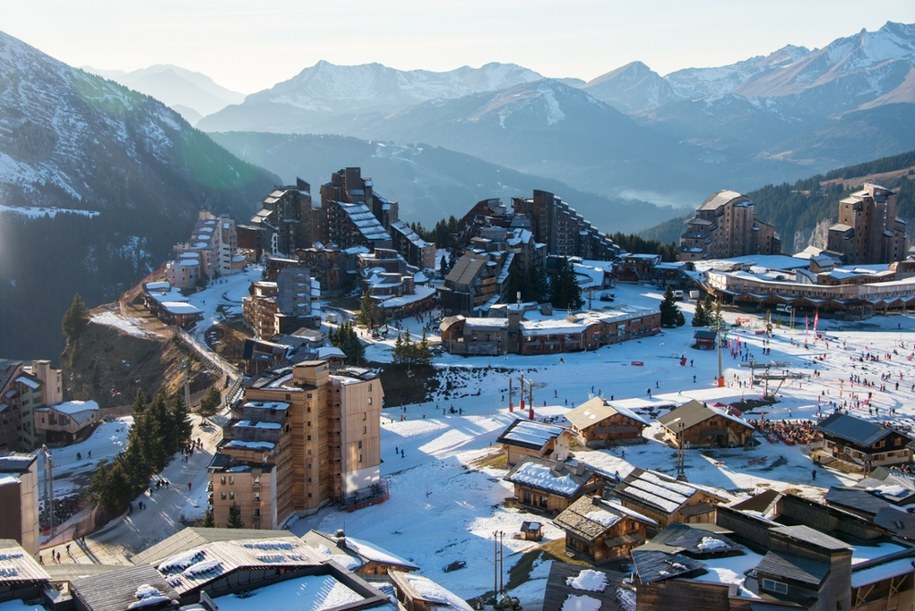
x=816 y=319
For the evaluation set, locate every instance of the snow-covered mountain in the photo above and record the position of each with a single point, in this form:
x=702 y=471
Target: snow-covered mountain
x=192 y=94
x=328 y=89
x=73 y=140
x=631 y=88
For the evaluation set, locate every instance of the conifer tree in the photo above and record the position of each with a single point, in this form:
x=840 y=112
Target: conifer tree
x=75 y=319
x=211 y=402
x=180 y=424
x=670 y=313
x=235 y=517
x=699 y=318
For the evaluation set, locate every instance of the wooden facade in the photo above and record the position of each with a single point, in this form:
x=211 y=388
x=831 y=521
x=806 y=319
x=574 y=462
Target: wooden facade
x=600 y=424
x=550 y=487
x=666 y=500
x=602 y=529
x=864 y=443
x=697 y=425
x=531 y=438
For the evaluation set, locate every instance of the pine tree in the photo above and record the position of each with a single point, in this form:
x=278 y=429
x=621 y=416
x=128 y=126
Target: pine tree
x=699 y=318
x=75 y=319
x=211 y=402
x=139 y=401
x=565 y=293
x=235 y=517
x=368 y=311
x=397 y=355
x=423 y=352
x=209 y=521
x=669 y=310
x=180 y=424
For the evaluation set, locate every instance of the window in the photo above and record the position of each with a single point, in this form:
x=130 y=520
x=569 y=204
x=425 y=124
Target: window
x=359 y=444
x=365 y=415
x=222 y=495
x=231 y=495
x=231 y=480
x=774 y=586
x=365 y=430
x=222 y=480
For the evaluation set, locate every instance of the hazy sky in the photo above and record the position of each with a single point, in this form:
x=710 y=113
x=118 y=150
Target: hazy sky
x=248 y=46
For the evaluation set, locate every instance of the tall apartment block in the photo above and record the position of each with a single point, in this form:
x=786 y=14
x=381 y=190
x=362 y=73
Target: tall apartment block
x=726 y=226
x=868 y=230
x=211 y=251
x=19 y=499
x=285 y=223
x=24 y=387
x=564 y=231
x=297 y=441
x=355 y=215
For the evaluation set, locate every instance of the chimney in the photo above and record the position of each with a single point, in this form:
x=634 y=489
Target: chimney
x=341 y=538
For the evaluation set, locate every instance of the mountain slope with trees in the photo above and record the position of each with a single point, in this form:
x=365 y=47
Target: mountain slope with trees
x=132 y=170
x=802 y=210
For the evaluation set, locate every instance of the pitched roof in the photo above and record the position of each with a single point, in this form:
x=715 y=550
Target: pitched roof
x=595 y=410
x=529 y=434
x=119 y=589
x=852 y=429
x=900 y=523
x=655 y=490
x=550 y=476
x=695 y=542
x=855 y=499
x=590 y=517
x=568 y=580
x=653 y=565
x=191 y=537
x=17 y=565
x=796 y=568
x=695 y=412
x=811 y=536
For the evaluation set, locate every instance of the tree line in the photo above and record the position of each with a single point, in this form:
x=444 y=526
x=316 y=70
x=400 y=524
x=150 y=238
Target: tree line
x=160 y=427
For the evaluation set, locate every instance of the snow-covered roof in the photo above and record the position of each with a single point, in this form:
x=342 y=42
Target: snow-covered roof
x=277 y=405
x=373 y=553
x=529 y=433
x=74 y=407
x=549 y=476
x=596 y=409
x=180 y=307
x=660 y=492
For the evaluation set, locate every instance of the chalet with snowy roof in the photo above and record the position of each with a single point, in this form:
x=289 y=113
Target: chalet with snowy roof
x=667 y=500
x=549 y=486
x=862 y=442
x=602 y=529
x=67 y=422
x=600 y=424
x=531 y=438
x=358 y=555
x=697 y=425
x=419 y=593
